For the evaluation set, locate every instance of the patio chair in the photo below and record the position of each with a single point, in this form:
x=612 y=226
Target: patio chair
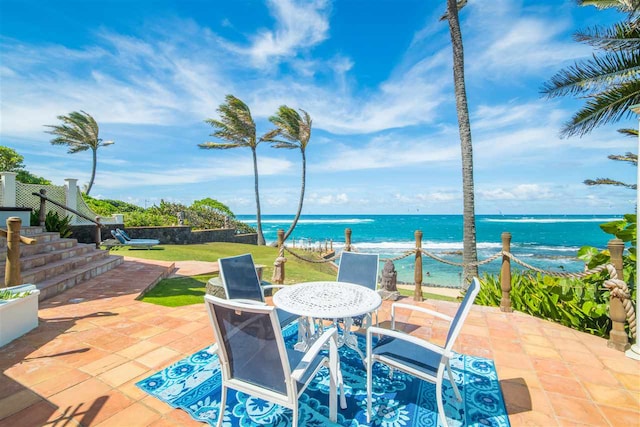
x=129 y=239
x=240 y=281
x=361 y=269
x=416 y=356
x=147 y=243
x=254 y=359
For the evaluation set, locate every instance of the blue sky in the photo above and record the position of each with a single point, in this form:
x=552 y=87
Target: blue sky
x=375 y=76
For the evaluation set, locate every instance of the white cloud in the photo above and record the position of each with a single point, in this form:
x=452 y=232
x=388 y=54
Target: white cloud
x=327 y=199
x=518 y=192
x=299 y=25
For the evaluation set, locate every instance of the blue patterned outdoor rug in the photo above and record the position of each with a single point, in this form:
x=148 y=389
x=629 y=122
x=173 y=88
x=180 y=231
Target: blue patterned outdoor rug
x=193 y=384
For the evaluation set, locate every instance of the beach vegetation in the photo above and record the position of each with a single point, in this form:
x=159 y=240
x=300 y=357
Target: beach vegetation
x=581 y=304
x=237 y=129
x=469 y=251
x=11 y=161
x=577 y=304
x=294 y=132
x=79 y=131
x=203 y=214
x=53 y=222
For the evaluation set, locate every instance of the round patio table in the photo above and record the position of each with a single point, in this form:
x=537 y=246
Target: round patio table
x=327 y=300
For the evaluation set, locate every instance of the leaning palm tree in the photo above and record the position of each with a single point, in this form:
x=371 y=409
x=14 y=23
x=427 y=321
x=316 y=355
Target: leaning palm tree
x=295 y=131
x=79 y=131
x=469 y=249
x=237 y=128
x=610 y=80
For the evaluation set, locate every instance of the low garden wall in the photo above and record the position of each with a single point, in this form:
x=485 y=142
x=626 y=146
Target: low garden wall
x=176 y=235
x=183 y=235
x=86 y=233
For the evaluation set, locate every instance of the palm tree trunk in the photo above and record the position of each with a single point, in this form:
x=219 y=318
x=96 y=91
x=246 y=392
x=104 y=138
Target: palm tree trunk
x=93 y=169
x=469 y=250
x=304 y=175
x=258 y=214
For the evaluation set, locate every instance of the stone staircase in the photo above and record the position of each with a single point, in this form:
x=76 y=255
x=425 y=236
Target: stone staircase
x=54 y=264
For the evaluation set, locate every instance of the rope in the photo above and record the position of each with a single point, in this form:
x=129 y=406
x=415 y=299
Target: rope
x=458 y=264
x=618 y=289
x=563 y=274
x=313 y=261
x=398 y=258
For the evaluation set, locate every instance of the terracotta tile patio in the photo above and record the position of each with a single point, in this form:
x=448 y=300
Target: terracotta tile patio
x=80 y=366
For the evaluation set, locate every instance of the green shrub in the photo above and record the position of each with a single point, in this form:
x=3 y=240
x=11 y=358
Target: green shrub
x=578 y=304
x=53 y=222
x=148 y=218
x=581 y=304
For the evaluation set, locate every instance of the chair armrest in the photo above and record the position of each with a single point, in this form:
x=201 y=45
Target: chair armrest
x=273 y=286
x=249 y=301
x=213 y=349
x=406 y=337
x=421 y=309
x=313 y=351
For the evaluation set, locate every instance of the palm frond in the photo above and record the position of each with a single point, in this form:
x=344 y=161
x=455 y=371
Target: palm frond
x=605 y=107
x=622 y=5
x=608 y=181
x=218 y=145
x=78 y=130
x=626 y=157
x=621 y=36
x=235 y=124
x=594 y=74
x=629 y=132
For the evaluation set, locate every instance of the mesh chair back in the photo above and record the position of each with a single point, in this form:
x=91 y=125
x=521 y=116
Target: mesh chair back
x=248 y=343
x=239 y=277
x=361 y=269
x=463 y=311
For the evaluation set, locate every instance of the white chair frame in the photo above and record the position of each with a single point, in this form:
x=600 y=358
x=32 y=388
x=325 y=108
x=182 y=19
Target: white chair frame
x=290 y=399
x=445 y=352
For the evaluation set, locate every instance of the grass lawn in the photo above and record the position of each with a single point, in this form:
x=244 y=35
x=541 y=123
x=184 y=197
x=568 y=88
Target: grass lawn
x=180 y=291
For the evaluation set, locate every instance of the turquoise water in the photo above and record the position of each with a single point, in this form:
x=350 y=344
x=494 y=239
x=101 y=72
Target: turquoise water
x=550 y=242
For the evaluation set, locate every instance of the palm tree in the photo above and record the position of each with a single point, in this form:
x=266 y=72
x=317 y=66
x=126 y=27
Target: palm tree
x=610 y=80
x=296 y=131
x=79 y=131
x=469 y=250
x=237 y=128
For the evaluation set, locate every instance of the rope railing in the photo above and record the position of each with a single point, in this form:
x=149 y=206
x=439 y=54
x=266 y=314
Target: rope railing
x=621 y=308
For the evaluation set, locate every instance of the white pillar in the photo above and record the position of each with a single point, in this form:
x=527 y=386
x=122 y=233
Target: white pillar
x=71 y=195
x=9 y=189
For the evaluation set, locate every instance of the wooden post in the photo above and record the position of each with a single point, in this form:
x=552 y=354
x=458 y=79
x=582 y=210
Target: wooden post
x=43 y=208
x=278 y=265
x=618 y=338
x=505 y=274
x=417 y=274
x=12 y=275
x=98 y=233
x=347 y=239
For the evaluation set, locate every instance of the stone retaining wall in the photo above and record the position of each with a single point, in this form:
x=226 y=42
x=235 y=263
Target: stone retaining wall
x=176 y=235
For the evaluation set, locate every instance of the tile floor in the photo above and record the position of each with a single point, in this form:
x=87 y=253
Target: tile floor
x=80 y=366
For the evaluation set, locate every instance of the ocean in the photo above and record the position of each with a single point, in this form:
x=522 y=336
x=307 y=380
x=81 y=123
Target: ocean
x=550 y=242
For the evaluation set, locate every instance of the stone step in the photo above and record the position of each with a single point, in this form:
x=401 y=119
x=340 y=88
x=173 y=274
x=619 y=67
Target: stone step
x=58 y=284
x=47 y=271
x=40 y=248
x=54 y=251
x=44 y=237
